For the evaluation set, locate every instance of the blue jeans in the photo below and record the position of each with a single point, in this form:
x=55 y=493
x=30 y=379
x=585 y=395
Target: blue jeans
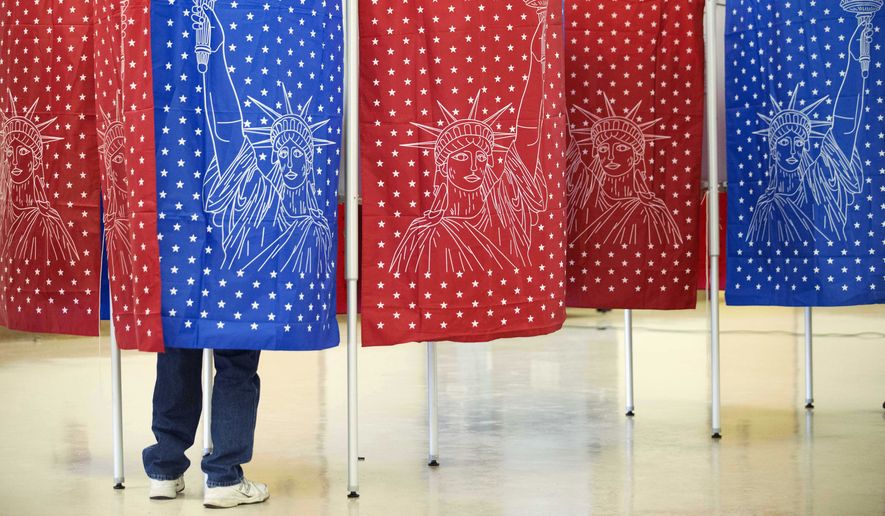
x=177 y=405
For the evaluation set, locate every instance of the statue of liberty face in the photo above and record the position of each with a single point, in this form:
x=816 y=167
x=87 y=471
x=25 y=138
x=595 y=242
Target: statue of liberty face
x=788 y=150
x=114 y=165
x=615 y=156
x=293 y=161
x=18 y=158
x=466 y=167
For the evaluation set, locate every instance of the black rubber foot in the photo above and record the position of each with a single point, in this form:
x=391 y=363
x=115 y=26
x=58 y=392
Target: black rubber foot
x=353 y=494
x=809 y=405
x=630 y=413
x=119 y=486
x=883 y=404
x=361 y=458
x=717 y=435
x=433 y=464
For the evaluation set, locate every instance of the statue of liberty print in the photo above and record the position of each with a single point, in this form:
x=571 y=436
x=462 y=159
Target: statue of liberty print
x=266 y=210
x=116 y=207
x=488 y=188
x=30 y=228
x=808 y=196
x=609 y=200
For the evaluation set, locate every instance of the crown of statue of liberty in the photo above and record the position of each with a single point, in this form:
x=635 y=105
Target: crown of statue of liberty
x=291 y=125
x=626 y=127
x=784 y=121
x=456 y=130
x=111 y=130
x=25 y=127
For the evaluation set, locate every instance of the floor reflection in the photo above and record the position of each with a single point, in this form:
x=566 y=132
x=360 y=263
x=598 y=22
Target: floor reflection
x=528 y=426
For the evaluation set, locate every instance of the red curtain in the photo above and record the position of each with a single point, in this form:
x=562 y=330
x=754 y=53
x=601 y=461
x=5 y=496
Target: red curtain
x=76 y=145
x=462 y=146
x=49 y=185
x=634 y=76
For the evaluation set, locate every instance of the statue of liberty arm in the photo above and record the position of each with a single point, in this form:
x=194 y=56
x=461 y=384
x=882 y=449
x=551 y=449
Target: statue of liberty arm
x=517 y=191
x=580 y=185
x=235 y=190
x=850 y=101
x=840 y=163
x=528 y=136
x=223 y=113
x=523 y=159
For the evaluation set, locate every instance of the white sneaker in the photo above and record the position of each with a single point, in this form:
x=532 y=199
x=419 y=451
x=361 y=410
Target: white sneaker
x=231 y=496
x=166 y=489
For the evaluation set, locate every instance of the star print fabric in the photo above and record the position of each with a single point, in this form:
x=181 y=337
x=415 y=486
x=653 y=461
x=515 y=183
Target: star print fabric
x=463 y=160
x=247 y=127
x=49 y=189
x=806 y=153
x=635 y=93
x=124 y=112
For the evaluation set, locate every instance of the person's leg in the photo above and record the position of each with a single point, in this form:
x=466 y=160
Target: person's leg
x=177 y=404
x=234 y=409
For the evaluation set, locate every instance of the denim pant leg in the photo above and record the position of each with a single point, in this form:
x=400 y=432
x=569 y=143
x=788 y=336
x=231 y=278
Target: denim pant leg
x=178 y=397
x=234 y=409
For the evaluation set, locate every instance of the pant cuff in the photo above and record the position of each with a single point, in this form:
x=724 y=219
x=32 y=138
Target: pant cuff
x=222 y=483
x=164 y=478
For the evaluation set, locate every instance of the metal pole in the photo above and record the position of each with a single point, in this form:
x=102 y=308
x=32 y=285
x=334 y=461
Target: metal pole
x=809 y=366
x=116 y=390
x=628 y=359
x=432 y=405
x=117 y=407
x=630 y=484
x=351 y=161
x=808 y=466
x=713 y=207
x=208 y=370
x=352 y=393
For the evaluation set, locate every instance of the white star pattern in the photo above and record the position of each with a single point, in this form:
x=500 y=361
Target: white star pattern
x=45 y=52
x=638 y=65
x=452 y=71
x=269 y=46
x=123 y=92
x=802 y=54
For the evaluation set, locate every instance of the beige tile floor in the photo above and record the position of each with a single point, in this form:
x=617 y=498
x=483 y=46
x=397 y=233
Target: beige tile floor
x=529 y=426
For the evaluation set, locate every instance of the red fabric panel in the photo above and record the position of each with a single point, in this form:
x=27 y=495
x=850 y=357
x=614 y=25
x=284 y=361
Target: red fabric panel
x=126 y=133
x=634 y=75
x=49 y=181
x=463 y=139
